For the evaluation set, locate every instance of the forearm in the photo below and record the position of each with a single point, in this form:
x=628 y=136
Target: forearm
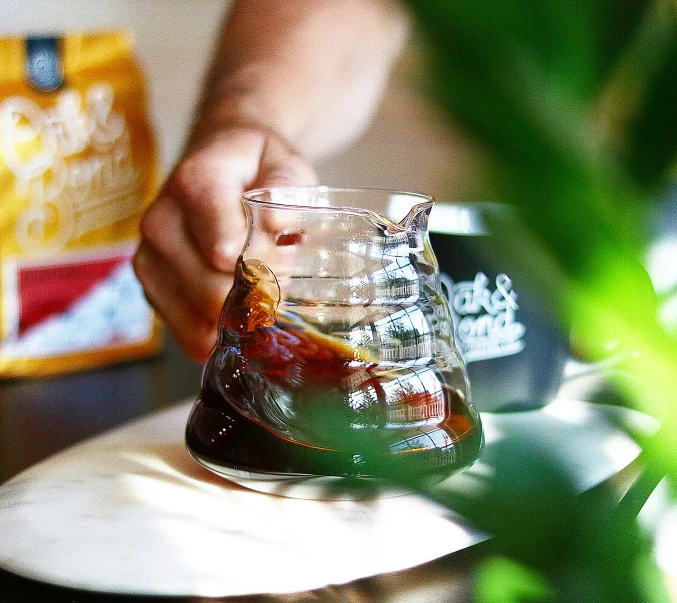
x=310 y=70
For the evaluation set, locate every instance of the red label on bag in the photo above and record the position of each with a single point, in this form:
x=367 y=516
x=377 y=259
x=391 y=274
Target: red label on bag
x=45 y=291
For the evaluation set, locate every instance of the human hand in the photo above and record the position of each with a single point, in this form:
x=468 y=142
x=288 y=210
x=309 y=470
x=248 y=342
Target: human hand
x=193 y=232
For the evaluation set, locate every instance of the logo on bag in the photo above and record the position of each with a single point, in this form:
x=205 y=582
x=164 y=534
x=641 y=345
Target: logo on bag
x=485 y=321
x=73 y=163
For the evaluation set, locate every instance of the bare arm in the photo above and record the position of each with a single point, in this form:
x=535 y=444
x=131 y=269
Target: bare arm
x=292 y=81
x=311 y=70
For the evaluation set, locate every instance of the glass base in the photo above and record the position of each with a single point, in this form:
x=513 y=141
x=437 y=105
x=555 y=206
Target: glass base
x=304 y=486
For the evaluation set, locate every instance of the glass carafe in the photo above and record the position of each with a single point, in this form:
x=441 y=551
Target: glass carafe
x=335 y=363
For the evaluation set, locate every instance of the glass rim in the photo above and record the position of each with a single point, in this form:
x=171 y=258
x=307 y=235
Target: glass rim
x=254 y=196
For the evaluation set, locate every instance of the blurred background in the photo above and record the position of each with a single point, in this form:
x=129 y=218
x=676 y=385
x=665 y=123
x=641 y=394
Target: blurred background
x=408 y=146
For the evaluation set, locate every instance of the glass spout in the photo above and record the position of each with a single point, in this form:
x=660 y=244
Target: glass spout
x=416 y=220
x=414 y=217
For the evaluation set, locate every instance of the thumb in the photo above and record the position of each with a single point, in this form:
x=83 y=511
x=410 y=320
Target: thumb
x=281 y=166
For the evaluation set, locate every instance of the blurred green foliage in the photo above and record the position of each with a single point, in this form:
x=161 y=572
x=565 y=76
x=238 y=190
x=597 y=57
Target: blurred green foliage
x=573 y=109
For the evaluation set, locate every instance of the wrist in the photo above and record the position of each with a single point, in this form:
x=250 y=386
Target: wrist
x=245 y=100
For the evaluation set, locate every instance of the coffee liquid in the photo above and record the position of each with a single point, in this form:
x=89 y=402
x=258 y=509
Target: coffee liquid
x=279 y=396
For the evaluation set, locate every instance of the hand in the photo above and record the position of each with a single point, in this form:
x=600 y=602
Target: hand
x=192 y=234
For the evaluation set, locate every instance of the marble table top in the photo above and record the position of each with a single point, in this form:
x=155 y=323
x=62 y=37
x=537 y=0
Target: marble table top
x=130 y=512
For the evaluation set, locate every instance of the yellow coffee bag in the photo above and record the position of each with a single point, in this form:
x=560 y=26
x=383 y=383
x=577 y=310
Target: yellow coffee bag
x=78 y=164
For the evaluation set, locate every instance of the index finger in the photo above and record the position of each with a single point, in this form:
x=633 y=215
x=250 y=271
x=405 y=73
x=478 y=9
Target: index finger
x=208 y=184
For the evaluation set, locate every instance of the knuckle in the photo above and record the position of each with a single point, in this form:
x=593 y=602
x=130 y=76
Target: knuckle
x=194 y=185
x=201 y=170
x=156 y=220
x=181 y=182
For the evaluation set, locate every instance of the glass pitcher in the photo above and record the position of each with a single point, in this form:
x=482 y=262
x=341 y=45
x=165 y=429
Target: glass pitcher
x=335 y=362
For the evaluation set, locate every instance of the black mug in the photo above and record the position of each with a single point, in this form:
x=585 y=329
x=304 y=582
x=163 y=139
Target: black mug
x=515 y=352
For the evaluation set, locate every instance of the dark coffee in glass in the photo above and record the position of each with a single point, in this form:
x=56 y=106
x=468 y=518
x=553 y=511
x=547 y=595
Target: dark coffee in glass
x=336 y=360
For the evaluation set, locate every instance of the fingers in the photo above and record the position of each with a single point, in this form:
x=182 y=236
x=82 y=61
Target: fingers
x=208 y=185
x=195 y=333
x=187 y=291
x=193 y=232
x=166 y=240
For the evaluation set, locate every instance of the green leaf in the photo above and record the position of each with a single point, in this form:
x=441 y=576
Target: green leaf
x=572 y=107
x=503 y=580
